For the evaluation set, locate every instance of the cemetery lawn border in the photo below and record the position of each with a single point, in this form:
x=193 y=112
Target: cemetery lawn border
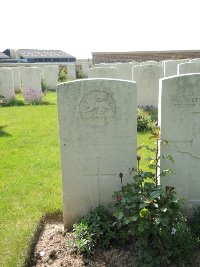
x=30 y=175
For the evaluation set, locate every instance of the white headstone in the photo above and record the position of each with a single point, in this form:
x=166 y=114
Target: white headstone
x=171 y=66
x=32 y=84
x=71 y=72
x=179 y=119
x=104 y=65
x=102 y=72
x=195 y=60
x=85 y=69
x=97 y=123
x=189 y=67
x=50 y=77
x=6 y=84
x=124 y=70
x=147 y=79
x=16 y=79
x=149 y=62
x=21 y=70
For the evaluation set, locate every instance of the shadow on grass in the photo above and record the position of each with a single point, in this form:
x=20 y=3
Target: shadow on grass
x=48 y=217
x=4 y=133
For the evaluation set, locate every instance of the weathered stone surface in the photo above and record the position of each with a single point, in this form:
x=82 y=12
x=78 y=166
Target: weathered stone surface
x=149 y=62
x=6 y=84
x=97 y=122
x=189 y=67
x=124 y=70
x=147 y=79
x=16 y=79
x=50 y=76
x=85 y=69
x=179 y=119
x=171 y=66
x=32 y=84
x=102 y=72
x=71 y=71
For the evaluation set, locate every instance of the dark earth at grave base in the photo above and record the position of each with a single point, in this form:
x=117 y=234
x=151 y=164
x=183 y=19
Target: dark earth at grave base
x=52 y=250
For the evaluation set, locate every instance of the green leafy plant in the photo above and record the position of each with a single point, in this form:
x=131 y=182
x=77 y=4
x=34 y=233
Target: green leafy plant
x=94 y=230
x=152 y=110
x=79 y=73
x=13 y=102
x=144 y=121
x=153 y=214
x=43 y=86
x=62 y=76
x=194 y=223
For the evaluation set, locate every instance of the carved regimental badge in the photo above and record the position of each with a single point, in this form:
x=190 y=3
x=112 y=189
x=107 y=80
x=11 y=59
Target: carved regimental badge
x=97 y=106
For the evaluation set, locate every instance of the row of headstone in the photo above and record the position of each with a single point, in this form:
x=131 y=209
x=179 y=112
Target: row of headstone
x=98 y=136
x=13 y=79
x=146 y=75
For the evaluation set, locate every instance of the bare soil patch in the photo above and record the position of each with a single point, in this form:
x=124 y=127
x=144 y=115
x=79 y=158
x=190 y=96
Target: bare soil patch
x=52 y=249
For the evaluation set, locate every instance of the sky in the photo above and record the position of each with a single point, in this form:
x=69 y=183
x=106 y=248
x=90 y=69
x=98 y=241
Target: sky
x=80 y=27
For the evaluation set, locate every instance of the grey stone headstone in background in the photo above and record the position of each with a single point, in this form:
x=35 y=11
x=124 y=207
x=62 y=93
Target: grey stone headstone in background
x=147 y=79
x=98 y=136
x=71 y=71
x=16 y=79
x=32 y=84
x=103 y=72
x=179 y=119
x=189 y=67
x=50 y=77
x=85 y=69
x=6 y=83
x=149 y=62
x=124 y=70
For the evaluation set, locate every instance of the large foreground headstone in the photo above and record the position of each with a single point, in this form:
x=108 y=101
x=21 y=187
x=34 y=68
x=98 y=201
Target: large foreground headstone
x=180 y=125
x=147 y=79
x=97 y=122
x=32 y=84
x=6 y=84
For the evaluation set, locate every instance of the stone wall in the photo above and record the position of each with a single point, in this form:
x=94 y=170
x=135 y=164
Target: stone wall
x=99 y=57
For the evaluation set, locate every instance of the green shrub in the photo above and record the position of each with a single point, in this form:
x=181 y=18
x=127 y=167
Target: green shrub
x=194 y=223
x=62 y=76
x=13 y=102
x=154 y=215
x=94 y=230
x=144 y=121
x=153 y=112
x=79 y=73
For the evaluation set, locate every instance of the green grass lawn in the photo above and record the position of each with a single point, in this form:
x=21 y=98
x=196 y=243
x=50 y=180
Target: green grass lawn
x=30 y=175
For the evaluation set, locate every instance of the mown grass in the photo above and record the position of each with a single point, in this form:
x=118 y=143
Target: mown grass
x=30 y=175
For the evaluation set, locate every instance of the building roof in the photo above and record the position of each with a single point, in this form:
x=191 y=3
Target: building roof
x=37 y=53
x=3 y=56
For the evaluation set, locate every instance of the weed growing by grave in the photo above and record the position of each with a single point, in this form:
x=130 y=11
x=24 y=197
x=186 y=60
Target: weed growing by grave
x=144 y=121
x=94 y=230
x=154 y=215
